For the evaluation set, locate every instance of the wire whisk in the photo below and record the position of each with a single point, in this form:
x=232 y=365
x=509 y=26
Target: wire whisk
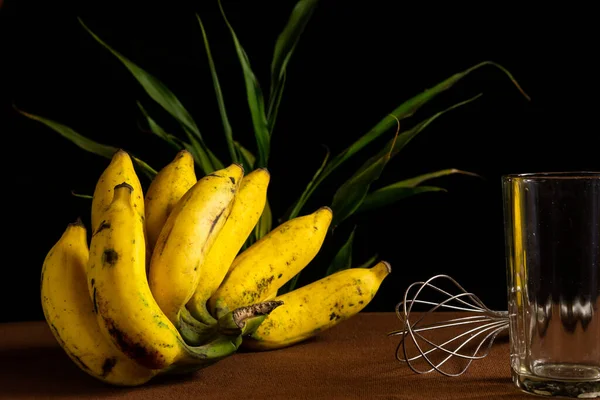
x=481 y=329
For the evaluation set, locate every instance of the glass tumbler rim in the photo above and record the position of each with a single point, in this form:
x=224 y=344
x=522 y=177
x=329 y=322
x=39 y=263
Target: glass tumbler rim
x=556 y=175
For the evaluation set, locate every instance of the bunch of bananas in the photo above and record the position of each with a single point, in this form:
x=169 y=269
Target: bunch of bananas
x=163 y=287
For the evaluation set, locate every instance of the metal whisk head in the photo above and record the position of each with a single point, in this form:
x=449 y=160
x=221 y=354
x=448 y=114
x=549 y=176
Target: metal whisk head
x=456 y=351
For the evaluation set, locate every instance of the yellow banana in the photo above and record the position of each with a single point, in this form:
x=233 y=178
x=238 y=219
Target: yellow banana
x=165 y=190
x=70 y=314
x=317 y=306
x=271 y=261
x=119 y=170
x=179 y=257
x=247 y=208
x=127 y=313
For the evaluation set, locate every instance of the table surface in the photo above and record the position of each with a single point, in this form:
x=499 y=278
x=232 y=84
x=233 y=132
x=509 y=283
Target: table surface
x=353 y=360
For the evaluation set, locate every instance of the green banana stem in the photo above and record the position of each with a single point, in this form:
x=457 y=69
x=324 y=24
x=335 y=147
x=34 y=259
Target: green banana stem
x=194 y=332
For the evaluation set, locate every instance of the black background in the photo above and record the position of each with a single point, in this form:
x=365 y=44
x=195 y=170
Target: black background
x=355 y=63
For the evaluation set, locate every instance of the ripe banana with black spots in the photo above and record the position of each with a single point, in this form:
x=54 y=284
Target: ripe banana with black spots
x=180 y=253
x=165 y=190
x=119 y=170
x=126 y=311
x=317 y=306
x=70 y=315
x=271 y=261
x=247 y=208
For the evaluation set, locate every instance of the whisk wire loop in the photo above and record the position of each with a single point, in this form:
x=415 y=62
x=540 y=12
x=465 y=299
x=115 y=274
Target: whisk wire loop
x=488 y=325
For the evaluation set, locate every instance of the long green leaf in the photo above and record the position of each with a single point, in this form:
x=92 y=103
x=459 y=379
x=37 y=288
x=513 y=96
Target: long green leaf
x=162 y=95
x=348 y=198
x=201 y=154
x=265 y=223
x=81 y=141
x=247 y=158
x=255 y=100
x=343 y=258
x=284 y=48
x=369 y=262
x=86 y=144
x=409 y=187
x=144 y=167
x=405 y=137
x=215 y=79
x=311 y=182
x=158 y=130
x=82 y=196
x=392 y=195
x=403 y=111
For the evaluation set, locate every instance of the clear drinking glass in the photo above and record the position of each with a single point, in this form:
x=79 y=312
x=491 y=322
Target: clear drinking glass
x=552 y=234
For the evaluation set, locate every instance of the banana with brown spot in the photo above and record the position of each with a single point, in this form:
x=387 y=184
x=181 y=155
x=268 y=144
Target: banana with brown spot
x=318 y=306
x=270 y=262
x=69 y=312
x=126 y=311
x=165 y=190
x=179 y=257
x=247 y=208
x=119 y=170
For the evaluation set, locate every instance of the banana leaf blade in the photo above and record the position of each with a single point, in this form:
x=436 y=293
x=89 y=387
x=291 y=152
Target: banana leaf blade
x=409 y=187
x=85 y=143
x=405 y=137
x=401 y=112
x=81 y=195
x=265 y=223
x=284 y=48
x=376 y=200
x=343 y=258
x=255 y=99
x=246 y=157
x=158 y=130
x=350 y=195
x=369 y=262
x=163 y=96
x=219 y=93
x=293 y=212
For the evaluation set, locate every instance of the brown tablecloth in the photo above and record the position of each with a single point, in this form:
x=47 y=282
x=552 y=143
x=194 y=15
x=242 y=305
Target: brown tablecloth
x=353 y=360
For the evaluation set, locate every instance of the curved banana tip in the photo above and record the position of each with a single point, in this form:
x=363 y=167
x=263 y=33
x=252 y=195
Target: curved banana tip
x=183 y=153
x=263 y=169
x=388 y=266
x=326 y=208
x=78 y=223
x=241 y=167
x=124 y=185
x=120 y=153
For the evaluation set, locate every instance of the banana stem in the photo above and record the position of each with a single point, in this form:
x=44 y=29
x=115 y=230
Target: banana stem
x=233 y=322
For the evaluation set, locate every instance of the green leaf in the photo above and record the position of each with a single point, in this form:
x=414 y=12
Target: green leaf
x=284 y=48
x=86 y=144
x=405 y=137
x=248 y=159
x=369 y=262
x=265 y=223
x=144 y=167
x=403 y=111
x=215 y=79
x=392 y=195
x=255 y=100
x=163 y=96
x=159 y=131
x=409 y=187
x=292 y=213
x=82 y=196
x=343 y=258
x=351 y=194
x=76 y=138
